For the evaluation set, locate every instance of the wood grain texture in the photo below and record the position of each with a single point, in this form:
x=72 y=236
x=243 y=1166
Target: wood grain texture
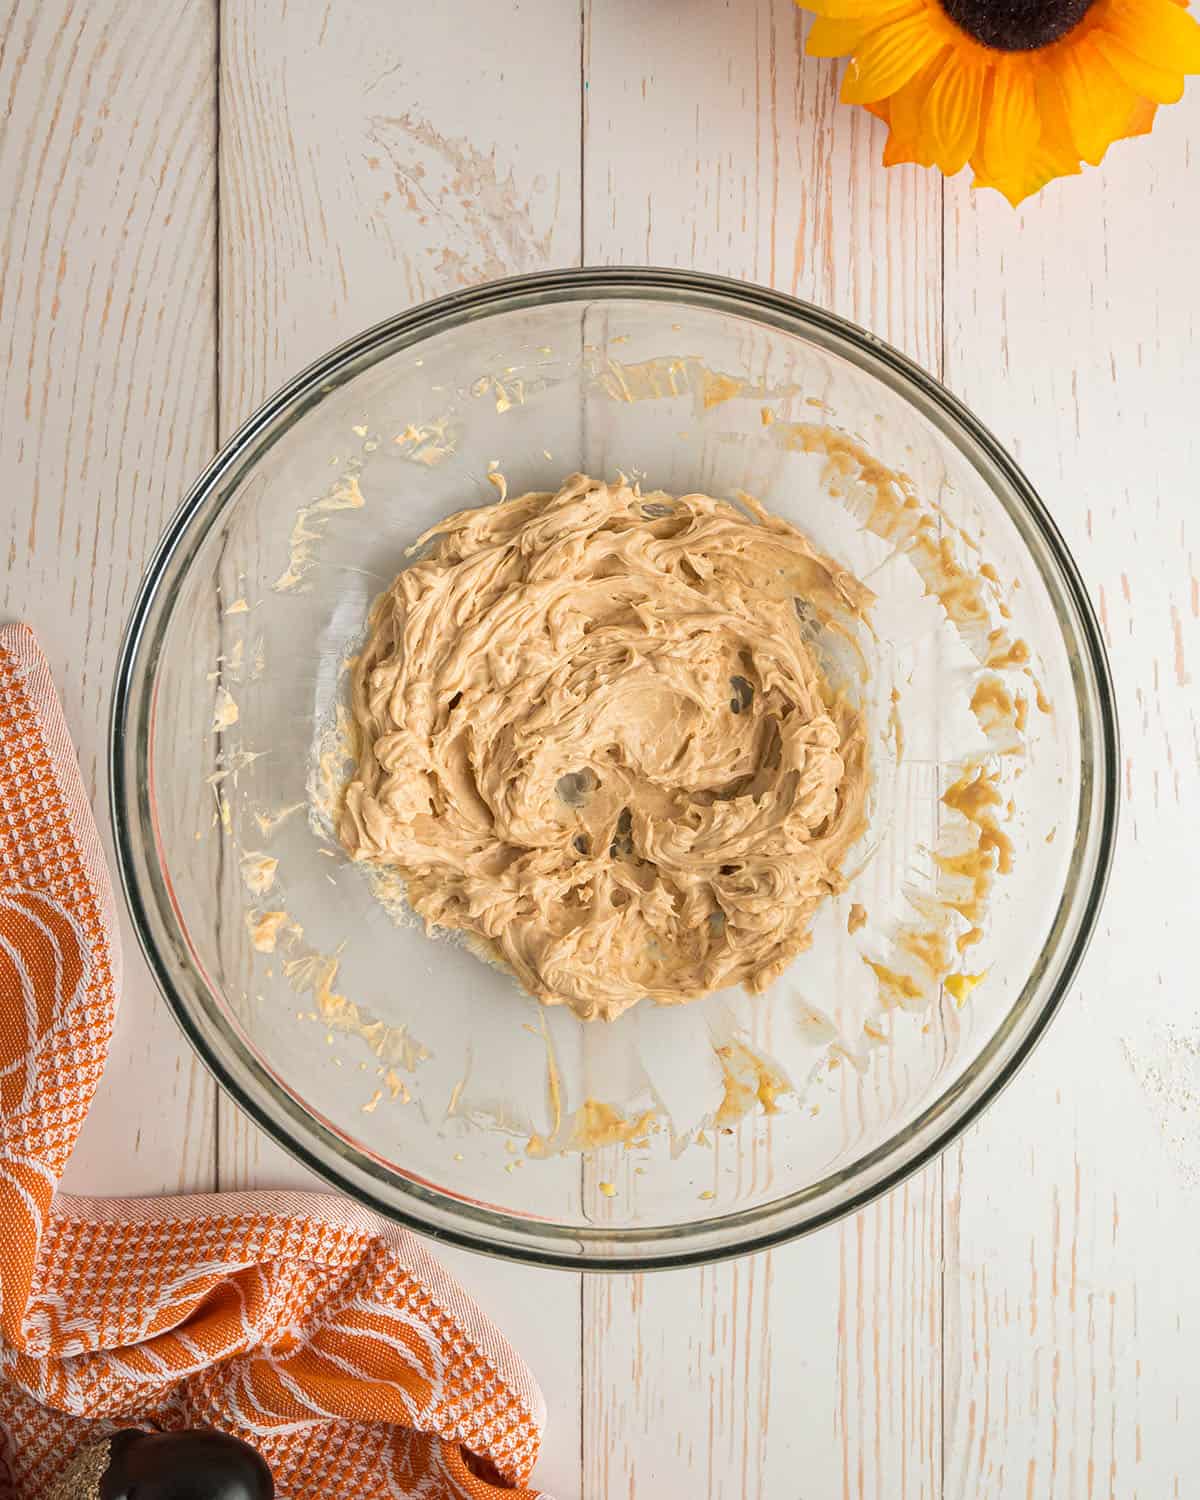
x=1071 y=1306
x=107 y=410
x=814 y=1370
x=809 y=1371
x=361 y=173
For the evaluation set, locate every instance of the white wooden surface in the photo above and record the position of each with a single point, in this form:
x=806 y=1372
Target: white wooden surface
x=200 y=198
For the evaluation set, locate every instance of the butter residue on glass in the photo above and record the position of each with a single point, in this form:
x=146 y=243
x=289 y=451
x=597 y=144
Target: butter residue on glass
x=308 y=528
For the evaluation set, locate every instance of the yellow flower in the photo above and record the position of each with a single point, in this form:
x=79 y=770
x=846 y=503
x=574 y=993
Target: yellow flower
x=1024 y=90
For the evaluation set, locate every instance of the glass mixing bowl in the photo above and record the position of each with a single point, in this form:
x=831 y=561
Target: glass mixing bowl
x=399 y=1065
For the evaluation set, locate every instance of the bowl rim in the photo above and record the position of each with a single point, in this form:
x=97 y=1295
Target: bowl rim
x=442 y=1215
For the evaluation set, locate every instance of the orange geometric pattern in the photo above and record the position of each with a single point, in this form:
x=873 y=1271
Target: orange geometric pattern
x=324 y=1336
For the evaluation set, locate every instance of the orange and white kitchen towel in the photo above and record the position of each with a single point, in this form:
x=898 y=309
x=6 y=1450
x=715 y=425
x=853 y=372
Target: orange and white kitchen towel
x=322 y=1335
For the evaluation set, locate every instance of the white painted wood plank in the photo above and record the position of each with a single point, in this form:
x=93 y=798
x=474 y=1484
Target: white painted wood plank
x=107 y=410
x=365 y=169
x=1072 y=1314
x=813 y=1370
x=368 y=163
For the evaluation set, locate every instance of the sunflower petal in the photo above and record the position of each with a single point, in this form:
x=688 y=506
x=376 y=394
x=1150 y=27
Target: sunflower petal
x=1023 y=179
x=837 y=35
x=874 y=11
x=889 y=58
x=898 y=152
x=1142 y=122
x=1011 y=128
x=830 y=36
x=1052 y=110
x=1158 y=30
x=950 y=118
x=1056 y=158
x=1055 y=154
x=1016 y=182
x=907 y=106
x=1163 y=85
x=897 y=149
x=1098 y=104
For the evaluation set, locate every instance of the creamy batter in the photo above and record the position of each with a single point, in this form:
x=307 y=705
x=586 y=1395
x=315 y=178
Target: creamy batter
x=594 y=735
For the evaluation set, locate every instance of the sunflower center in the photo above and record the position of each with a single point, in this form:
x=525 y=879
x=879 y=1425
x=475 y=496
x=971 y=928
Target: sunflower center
x=1016 y=25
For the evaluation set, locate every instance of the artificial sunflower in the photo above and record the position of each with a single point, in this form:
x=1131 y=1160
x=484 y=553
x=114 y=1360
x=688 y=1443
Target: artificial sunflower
x=1024 y=90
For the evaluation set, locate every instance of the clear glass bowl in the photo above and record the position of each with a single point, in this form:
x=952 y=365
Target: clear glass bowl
x=401 y=1067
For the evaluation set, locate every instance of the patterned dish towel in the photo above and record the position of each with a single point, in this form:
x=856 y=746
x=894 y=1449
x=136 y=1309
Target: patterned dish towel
x=322 y=1335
